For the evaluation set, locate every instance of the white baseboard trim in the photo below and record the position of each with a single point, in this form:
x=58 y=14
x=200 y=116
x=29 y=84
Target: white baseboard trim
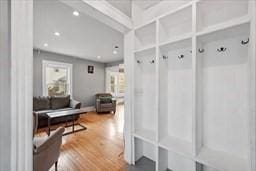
x=89 y=108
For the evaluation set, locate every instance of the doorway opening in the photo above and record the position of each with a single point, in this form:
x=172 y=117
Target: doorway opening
x=115 y=82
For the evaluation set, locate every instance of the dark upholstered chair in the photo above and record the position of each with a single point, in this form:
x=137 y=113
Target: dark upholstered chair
x=46 y=150
x=105 y=103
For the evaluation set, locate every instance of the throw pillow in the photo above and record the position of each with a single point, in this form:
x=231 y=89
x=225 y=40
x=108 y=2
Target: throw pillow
x=41 y=103
x=58 y=102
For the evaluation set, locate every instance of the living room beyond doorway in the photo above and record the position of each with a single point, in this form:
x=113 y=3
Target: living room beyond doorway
x=100 y=147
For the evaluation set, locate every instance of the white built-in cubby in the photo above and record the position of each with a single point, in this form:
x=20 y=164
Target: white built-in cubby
x=144 y=149
x=223 y=98
x=171 y=161
x=144 y=95
x=175 y=25
x=175 y=93
x=193 y=85
x=212 y=15
x=145 y=37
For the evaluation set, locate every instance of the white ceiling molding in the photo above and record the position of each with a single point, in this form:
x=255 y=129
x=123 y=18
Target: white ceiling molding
x=104 y=12
x=124 y=6
x=145 y=4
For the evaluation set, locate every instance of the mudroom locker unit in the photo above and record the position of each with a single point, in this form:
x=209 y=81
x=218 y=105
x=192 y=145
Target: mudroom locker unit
x=193 y=74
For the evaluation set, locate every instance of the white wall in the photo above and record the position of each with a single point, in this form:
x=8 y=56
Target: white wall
x=5 y=138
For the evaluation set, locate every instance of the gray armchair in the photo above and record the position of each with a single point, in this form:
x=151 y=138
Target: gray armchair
x=105 y=103
x=46 y=150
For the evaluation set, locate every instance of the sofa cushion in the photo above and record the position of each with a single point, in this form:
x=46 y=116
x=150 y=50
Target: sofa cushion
x=107 y=105
x=41 y=103
x=60 y=102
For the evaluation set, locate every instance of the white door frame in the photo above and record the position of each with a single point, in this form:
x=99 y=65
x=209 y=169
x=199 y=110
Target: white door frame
x=67 y=66
x=21 y=78
x=21 y=84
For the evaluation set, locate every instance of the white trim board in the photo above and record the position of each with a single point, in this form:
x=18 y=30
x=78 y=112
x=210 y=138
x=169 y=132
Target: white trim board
x=89 y=108
x=21 y=56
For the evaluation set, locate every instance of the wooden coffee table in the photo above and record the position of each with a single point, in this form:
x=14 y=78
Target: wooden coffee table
x=73 y=113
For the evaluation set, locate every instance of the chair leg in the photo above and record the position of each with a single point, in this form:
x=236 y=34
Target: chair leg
x=56 y=165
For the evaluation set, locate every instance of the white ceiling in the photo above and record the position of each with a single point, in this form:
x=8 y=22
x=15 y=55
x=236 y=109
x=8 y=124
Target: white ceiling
x=145 y=4
x=81 y=36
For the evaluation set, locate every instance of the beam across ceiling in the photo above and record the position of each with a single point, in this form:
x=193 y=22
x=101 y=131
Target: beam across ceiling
x=104 y=12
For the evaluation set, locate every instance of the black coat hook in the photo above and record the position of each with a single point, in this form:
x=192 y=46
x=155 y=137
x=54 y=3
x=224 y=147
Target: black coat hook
x=221 y=49
x=201 y=50
x=139 y=62
x=165 y=57
x=181 y=56
x=152 y=61
x=245 y=42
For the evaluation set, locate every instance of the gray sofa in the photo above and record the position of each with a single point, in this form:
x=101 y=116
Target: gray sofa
x=43 y=105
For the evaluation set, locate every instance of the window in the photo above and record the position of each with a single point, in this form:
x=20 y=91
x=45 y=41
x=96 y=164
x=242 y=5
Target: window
x=57 y=78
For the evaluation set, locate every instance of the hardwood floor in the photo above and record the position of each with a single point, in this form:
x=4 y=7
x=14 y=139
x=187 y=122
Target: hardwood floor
x=99 y=148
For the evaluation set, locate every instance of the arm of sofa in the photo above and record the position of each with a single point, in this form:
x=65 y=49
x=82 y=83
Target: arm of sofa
x=75 y=104
x=114 y=104
x=35 y=122
x=113 y=100
x=97 y=105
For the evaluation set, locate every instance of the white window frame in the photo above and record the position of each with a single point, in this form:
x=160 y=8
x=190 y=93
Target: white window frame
x=67 y=66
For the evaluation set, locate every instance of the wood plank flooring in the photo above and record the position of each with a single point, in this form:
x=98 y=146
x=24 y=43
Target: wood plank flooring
x=99 y=148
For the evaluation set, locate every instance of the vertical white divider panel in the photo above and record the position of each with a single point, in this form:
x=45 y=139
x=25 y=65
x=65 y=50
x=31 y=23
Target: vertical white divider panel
x=194 y=75
x=252 y=96
x=128 y=125
x=157 y=93
x=195 y=117
x=132 y=97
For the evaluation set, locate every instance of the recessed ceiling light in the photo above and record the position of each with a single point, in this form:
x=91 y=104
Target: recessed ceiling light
x=57 y=34
x=76 y=13
x=98 y=57
x=45 y=45
x=114 y=52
